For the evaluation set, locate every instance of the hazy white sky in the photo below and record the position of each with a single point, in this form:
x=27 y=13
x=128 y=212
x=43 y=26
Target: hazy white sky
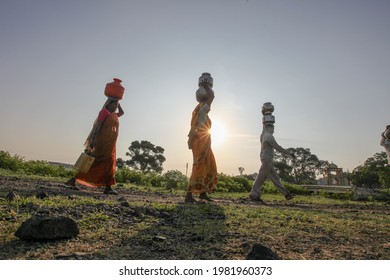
x=325 y=65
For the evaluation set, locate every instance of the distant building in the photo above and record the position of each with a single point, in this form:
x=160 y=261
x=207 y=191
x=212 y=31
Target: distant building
x=333 y=176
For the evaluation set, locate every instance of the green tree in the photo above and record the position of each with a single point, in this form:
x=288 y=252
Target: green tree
x=373 y=173
x=300 y=168
x=145 y=156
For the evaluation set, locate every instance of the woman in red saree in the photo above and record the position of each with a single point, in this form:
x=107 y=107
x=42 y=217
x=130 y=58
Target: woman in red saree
x=204 y=169
x=101 y=143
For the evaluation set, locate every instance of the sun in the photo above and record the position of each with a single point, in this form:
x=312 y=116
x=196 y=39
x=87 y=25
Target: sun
x=218 y=132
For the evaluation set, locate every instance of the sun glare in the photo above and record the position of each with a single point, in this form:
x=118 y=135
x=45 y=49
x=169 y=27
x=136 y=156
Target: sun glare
x=218 y=132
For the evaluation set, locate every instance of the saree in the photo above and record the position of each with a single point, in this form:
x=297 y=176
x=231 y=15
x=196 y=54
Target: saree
x=204 y=175
x=102 y=171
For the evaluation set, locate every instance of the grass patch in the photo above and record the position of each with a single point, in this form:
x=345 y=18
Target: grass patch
x=156 y=224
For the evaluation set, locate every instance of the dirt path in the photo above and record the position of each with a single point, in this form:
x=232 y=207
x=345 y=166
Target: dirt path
x=29 y=187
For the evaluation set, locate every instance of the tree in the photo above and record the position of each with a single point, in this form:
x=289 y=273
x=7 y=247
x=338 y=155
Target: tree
x=241 y=170
x=120 y=163
x=145 y=156
x=300 y=168
x=373 y=173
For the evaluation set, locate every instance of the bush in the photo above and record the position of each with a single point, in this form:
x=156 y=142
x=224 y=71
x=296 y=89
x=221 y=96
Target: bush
x=245 y=185
x=386 y=191
x=13 y=163
x=126 y=175
x=154 y=179
x=33 y=167
x=296 y=189
x=42 y=168
x=269 y=188
x=174 y=179
x=228 y=183
x=349 y=195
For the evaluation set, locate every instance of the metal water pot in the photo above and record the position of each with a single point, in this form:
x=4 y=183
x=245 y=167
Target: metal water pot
x=267 y=108
x=206 y=77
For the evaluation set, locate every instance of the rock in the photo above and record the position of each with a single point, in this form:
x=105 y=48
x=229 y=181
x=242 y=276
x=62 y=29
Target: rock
x=165 y=215
x=11 y=216
x=125 y=204
x=42 y=195
x=260 y=252
x=159 y=238
x=43 y=211
x=11 y=196
x=47 y=228
x=316 y=250
x=386 y=245
x=150 y=210
x=116 y=210
x=140 y=211
x=31 y=206
x=71 y=256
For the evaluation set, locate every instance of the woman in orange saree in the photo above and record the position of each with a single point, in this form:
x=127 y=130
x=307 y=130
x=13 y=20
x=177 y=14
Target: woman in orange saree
x=204 y=169
x=101 y=143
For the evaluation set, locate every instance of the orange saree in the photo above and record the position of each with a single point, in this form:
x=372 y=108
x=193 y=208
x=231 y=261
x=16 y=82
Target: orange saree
x=204 y=175
x=102 y=171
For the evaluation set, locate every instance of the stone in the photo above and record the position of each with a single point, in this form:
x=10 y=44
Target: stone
x=159 y=238
x=47 y=228
x=42 y=195
x=125 y=204
x=32 y=206
x=260 y=252
x=11 y=196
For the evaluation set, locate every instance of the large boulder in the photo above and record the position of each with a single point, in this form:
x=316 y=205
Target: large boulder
x=47 y=228
x=260 y=252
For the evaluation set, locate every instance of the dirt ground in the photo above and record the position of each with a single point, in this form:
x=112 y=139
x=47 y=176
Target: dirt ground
x=365 y=244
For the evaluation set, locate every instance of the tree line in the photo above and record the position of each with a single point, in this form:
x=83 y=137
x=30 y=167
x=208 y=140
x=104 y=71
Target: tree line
x=299 y=166
x=145 y=166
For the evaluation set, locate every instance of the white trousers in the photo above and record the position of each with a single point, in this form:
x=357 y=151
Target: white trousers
x=267 y=171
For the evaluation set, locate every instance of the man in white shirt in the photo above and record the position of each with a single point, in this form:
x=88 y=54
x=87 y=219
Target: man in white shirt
x=267 y=170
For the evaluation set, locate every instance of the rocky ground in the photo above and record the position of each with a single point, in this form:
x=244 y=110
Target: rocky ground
x=167 y=238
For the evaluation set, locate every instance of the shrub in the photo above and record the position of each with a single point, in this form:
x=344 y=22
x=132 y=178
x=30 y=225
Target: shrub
x=13 y=163
x=154 y=179
x=126 y=175
x=174 y=179
x=228 y=183
x=349 y=195
x=269 y=188
x=296 y=189
x=32 y=167
x=244 y=183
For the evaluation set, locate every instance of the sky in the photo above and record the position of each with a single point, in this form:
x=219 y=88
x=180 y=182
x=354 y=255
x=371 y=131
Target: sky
x=324 y=65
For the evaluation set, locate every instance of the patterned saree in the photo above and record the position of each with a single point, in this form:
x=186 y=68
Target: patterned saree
x=204 y=175
x=102 y=171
